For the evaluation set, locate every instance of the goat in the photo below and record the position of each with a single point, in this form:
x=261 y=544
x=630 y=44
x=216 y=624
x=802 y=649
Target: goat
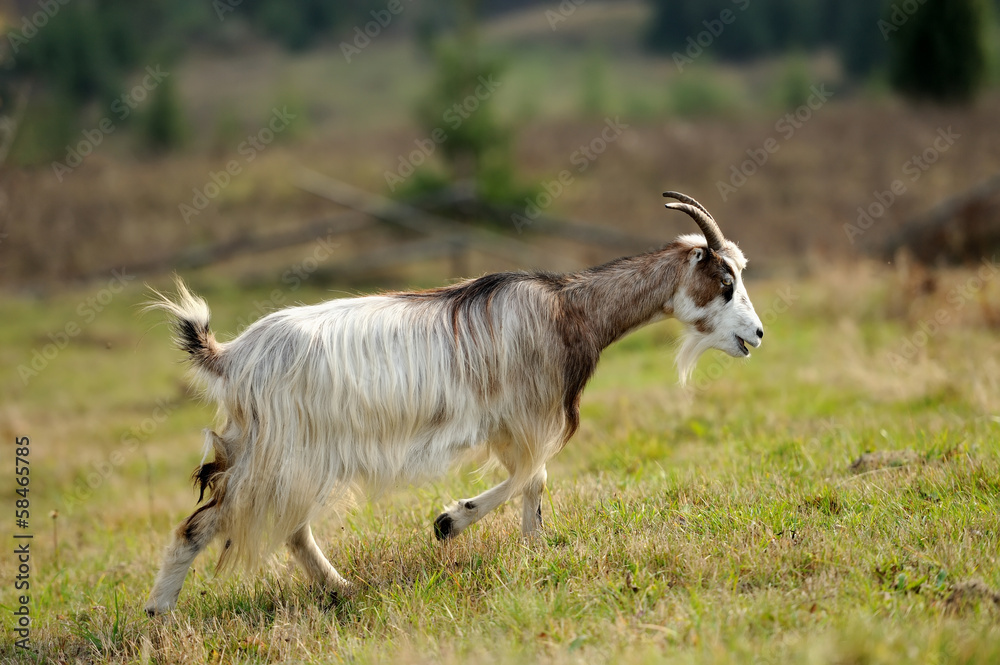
x=378 y=390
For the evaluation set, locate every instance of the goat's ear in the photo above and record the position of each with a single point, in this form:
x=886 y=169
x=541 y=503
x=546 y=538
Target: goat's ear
x=698 y=254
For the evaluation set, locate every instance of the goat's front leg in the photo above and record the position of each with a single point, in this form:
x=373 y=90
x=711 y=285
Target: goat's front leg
x=531 y=509
x=462 y=513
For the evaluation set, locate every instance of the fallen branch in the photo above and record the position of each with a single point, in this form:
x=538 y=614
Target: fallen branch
x=200 y=257
x=952 y=229
x=414 y=219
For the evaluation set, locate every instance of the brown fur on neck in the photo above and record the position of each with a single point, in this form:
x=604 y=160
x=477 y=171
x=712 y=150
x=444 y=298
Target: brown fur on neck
x=600 y=305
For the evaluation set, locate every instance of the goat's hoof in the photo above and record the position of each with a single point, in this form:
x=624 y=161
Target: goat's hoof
x=153 y=610
x=444 y=527
x=333 y=600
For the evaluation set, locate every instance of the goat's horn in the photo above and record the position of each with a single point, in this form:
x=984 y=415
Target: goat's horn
x=700 y=215
x=687 y=199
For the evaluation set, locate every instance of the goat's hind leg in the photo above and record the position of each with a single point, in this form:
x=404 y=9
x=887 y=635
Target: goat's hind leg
x=310 y=557
x=531 y=510
x=190 y=538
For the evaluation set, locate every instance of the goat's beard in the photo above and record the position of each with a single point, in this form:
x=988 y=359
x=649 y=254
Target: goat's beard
x=692 y=346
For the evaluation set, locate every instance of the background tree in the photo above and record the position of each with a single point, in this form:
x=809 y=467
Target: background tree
x=766 y=27
x=460 y=106
x=163 y=127
x=939 y=51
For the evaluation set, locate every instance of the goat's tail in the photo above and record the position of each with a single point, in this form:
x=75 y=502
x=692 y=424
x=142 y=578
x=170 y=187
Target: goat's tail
x=191 y=332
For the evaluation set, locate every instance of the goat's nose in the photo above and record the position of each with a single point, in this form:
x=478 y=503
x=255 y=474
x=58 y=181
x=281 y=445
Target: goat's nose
x=760 y=333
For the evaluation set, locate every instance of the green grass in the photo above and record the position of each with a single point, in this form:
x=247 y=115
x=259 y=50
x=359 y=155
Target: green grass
x=720 y=524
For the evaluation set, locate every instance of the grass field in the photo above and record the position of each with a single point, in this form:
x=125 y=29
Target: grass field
x=834 y=499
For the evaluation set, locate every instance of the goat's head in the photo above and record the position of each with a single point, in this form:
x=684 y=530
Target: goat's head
x=711 y=299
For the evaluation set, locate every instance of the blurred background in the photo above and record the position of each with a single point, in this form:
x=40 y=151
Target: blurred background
x=392 y=142
x=274 y=152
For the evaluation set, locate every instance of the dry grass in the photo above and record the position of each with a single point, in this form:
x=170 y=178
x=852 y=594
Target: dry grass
x=812 y=505
x=833 y=500
x=118 y=209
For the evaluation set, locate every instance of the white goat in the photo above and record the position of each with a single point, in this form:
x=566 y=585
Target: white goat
x=385 y=389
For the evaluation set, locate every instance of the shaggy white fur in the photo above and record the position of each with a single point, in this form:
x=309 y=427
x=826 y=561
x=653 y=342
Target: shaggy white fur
x=390 y=389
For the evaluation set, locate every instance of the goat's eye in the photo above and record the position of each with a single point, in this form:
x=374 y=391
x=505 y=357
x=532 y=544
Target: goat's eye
x=727 y=280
